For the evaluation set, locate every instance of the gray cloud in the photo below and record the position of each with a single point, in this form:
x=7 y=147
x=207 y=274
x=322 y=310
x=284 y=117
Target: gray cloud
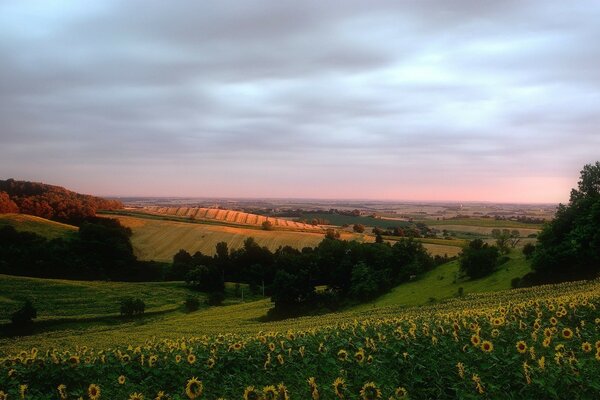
x=300 y=98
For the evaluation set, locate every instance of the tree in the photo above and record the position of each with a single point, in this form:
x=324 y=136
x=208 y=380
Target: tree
x=267 y=225
x=569 y=246
x=24 y=316
x=331 y=233
x=528 y=250
x=502 y=239
x=7 y=205
x=359 y=228
x=364 y=285
x=478 y=259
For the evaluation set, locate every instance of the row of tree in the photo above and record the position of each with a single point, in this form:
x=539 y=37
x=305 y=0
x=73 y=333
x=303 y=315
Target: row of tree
x=101 y=250
x=51 y=202
x=344 y=270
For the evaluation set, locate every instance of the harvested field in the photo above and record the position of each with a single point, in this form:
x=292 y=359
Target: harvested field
x=231 y=217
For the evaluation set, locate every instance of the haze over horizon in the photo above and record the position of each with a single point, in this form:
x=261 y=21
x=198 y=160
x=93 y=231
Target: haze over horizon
x=414 y=101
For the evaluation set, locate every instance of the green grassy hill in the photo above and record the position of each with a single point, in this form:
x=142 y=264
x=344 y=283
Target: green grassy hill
x=43 y=227
x=442 y=283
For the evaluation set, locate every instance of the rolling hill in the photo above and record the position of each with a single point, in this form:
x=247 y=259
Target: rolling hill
x=41 y=226
x=231 y=217
x=160 y=239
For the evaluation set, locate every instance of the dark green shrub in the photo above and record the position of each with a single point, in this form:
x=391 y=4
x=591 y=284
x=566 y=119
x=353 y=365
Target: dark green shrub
x=215 y=298
x=131 y=307
x=192 y=303
x=24 y=316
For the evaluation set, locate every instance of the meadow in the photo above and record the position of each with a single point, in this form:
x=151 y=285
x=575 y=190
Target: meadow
x=41 y=226
x=533 y=343
x=160 y=240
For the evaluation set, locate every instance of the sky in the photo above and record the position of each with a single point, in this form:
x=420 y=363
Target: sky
x=390 y=100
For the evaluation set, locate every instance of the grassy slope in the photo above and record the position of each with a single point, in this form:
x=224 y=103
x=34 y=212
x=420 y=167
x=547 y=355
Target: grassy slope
x=160 y=240
x=238 y=318
x=441 y=283
x=57 y=298
x=41 y=226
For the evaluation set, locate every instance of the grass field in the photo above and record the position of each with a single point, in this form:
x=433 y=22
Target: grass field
x=57 y=298
x=339 y=220
x=443 y=283
x=160 y=240
x=484 y=222
x=483 y=230
x=43 y=227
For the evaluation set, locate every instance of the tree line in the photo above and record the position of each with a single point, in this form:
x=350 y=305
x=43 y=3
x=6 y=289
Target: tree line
x=100 y=250
x=299 y=281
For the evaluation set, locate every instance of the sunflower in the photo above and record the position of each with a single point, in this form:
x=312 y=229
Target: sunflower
x=62 y=391
x=475 y=340
x=339 y=385
x=401 y=393
x=178 y=358
x=280 y=359
x=271 y=346
x=152 y=360
x=553 y=321
x=586 y=347
x=193 y=388
x=521 y=347
x=136 y=396
x=359 y=356
x=314 y=389
x=160 y=396
x=342 y=355
x=237 y=346
x=210 y=362
x=121 y=379
x=282 y=392
x=567 y=333
x=3 y=396
x=546 y=342
x=191 y=358
x=251 y=394
x=94 y=391
x=487 y=346
x=73 y=361
x=270 y=392
x=370 y=391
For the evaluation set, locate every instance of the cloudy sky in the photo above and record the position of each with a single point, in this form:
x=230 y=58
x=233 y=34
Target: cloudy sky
x=404 y=100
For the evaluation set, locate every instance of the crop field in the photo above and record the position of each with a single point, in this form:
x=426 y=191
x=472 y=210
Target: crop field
x=485 y=222
x=542 y=342
x=41 y=226
x=160 y=240
x=230 y=217
x=339 y=220
x=484 y=230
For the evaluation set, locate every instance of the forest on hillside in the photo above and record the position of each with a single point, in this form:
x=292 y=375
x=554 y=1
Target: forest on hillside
x=51 y=202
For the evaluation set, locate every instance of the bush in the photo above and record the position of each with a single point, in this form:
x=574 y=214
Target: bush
x=267 y=225
x=528 y=250
x=24 y=316
x=359 y=228
x=215 y=298
x=131 y=307
x=192 y=303
x=478 y=259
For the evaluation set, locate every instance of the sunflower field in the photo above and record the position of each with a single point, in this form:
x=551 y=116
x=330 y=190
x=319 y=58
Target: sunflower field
x=538 y=343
